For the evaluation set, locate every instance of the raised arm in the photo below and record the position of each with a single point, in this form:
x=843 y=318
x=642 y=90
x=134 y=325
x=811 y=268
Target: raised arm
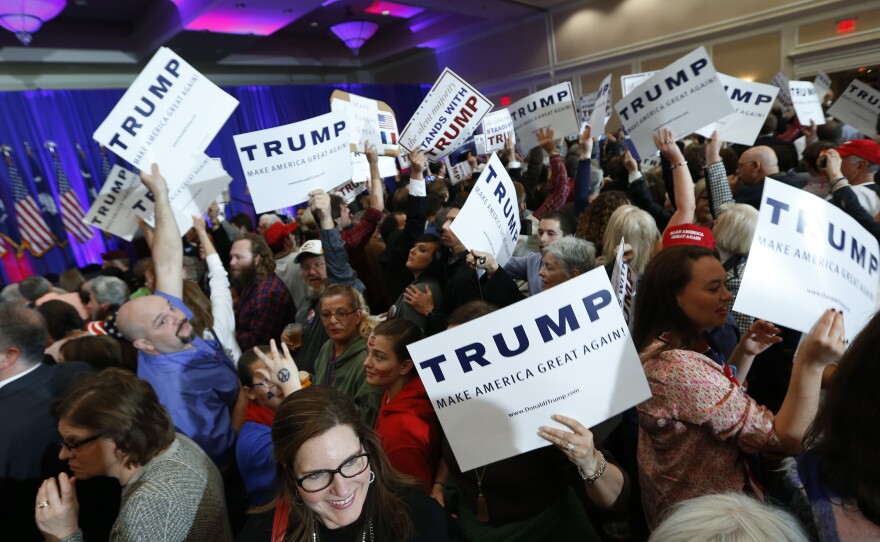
x=716 y=176
x=685 y=204
x=638 y=193
x=582 y=177
x=377 y=186
x=167 y=245
x=558 y=191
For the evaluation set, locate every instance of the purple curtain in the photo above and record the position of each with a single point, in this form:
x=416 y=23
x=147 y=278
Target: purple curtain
x=70 y=117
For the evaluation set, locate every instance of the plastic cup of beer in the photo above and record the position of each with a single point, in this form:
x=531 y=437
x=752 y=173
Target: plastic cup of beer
x=293 y=334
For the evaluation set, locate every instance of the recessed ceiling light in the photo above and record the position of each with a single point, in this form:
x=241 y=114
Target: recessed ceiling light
x=386 y=12
x=313 y=24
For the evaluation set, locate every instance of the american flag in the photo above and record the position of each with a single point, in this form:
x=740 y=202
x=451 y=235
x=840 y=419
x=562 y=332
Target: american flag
x=71 y=211
x=386 y=122
x=86 y=173
x=32 y=228
x=105 y=165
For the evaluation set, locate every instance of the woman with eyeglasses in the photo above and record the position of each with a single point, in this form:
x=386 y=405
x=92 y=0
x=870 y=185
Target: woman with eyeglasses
x=112 y=424
x=339 y=363
x=335 y=482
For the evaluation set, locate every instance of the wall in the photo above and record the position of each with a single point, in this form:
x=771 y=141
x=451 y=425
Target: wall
x=585 y=41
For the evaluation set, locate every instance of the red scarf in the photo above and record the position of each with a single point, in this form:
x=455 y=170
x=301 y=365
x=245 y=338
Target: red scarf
x=258 y=414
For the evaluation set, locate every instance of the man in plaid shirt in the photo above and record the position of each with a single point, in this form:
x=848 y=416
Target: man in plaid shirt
x=264 y=304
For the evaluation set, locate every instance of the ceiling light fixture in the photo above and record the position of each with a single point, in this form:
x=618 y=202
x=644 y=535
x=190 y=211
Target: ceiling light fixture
x=355 y=33
x=24 y=17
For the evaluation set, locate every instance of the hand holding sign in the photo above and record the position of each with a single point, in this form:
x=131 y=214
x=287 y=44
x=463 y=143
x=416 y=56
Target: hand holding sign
x=418 y=163
x=319 y=200
x=713 y=148
x=482 y=260
x=586 y=143
x=826 y=341
x=577 y=445
x=545 y=140
x=155 y=182
x=664 y=138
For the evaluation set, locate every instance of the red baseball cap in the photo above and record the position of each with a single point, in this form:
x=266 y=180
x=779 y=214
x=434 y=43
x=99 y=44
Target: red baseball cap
x=279 y=231
x=867 y=149
x=689 y=234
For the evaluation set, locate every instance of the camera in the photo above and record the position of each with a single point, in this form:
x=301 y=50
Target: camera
x=525 y=227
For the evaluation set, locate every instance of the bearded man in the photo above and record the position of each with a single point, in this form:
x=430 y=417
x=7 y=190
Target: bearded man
x=264 y=304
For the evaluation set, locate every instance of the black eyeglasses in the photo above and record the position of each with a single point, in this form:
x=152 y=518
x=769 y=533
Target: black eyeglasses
x=338 y=313
x=320 y=480
x=72 y=446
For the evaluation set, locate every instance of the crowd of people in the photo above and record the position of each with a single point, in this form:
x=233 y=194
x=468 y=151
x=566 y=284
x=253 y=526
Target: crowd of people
x=244 y=383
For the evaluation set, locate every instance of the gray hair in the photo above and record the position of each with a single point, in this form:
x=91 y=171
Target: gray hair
x=732 y=517
x=573 y=254
x=110 y=290
x=194 y=269
x=24 y=329
x=12 y=294
x=35 y=287
x=872 y=167
x=735 y=227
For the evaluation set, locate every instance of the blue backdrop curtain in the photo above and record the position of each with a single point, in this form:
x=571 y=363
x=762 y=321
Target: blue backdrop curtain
x=70 y=117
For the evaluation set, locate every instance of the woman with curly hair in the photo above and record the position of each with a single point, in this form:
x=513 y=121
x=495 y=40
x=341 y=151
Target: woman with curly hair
x=594 y=220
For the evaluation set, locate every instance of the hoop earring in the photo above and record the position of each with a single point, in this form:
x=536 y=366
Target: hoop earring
x=372 y=477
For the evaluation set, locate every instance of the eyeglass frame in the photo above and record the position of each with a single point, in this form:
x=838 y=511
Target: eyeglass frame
x=71 y=448
x=334 y=472
x=338 y=313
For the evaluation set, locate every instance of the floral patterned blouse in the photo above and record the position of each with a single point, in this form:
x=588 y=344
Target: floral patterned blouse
x=695 y=430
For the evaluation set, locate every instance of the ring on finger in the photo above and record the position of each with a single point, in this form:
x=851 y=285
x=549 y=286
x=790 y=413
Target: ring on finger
x=569 y=447
x=43 y=504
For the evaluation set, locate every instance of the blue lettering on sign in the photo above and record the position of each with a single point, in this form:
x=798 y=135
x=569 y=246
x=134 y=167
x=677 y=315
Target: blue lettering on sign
x=566 y=320
x=671 y=83
x=294 y=143
x=130 y=125
x=837 y=236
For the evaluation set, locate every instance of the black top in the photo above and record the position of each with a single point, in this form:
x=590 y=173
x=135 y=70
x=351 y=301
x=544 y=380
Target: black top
x=427 y=517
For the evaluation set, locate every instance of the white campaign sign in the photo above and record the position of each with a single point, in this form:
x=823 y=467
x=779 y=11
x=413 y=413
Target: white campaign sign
x=497 y=127
x=360 y=167
x=283 y=164
x=602 y=110
x=447 y=116
x=807 y=256
x=806 y=102
x=629 y=82
x=192 y=196
x=780 y=81
x=368 y=123
x=349 y=191
x=752 y=103
x=170 y=113
x=624 y=283
x=480 y=144
x=459 y=172
x=858 y=106
x=489 y=219
x=685 y=96
x=108 y=212
x=586 y=104
x=549 y=108
x=495 y=380
x=822 y=84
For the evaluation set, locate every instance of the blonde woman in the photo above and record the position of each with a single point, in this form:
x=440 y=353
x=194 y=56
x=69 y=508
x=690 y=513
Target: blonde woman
x=638 y=230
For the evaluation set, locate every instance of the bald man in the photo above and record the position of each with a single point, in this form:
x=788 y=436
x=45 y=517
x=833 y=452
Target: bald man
x=193 y=378
x=754 y=165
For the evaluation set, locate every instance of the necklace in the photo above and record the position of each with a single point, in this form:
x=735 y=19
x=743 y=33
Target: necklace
x=482 y=505
x=363 y=538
